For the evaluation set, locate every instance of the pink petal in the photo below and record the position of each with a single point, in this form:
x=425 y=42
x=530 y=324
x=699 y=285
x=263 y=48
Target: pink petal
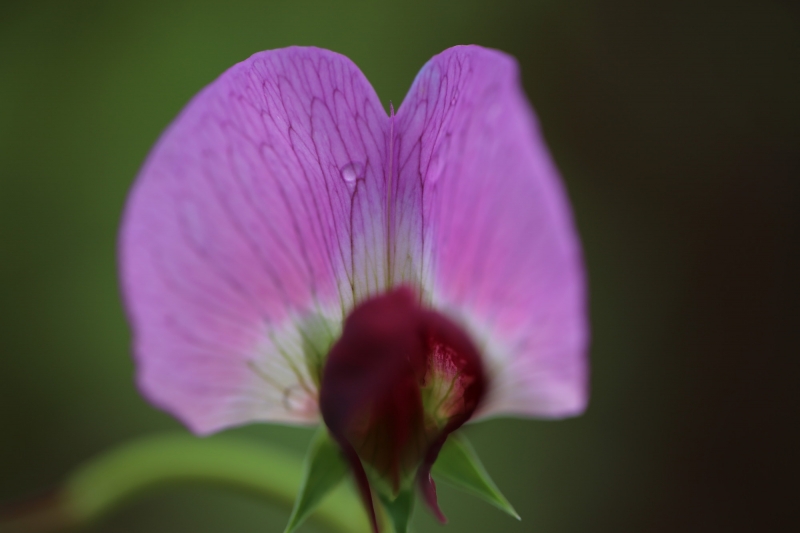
x=255 y=224
x=483 y=223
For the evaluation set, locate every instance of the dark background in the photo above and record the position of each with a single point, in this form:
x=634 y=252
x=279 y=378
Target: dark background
x=677 y=128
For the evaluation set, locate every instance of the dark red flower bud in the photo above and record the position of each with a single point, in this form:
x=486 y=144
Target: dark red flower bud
x=399 y=380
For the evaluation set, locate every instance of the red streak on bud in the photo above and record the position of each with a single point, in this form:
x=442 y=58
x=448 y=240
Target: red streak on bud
x=399 y=380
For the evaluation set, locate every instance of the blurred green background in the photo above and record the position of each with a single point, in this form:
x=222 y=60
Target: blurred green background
x=676 y=125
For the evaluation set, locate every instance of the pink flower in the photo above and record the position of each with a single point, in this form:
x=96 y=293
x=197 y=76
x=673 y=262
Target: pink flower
x=289 y=250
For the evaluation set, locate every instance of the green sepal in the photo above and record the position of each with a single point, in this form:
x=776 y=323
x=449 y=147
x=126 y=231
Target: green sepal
x=399 y=509
x=325 y=468
x=458 y=464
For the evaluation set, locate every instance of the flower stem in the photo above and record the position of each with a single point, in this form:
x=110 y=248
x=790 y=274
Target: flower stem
x=105 y=483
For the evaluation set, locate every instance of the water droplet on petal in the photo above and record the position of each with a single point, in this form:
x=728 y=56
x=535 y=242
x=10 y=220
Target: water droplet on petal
x=294 y=399
x=438 y=163
x=455 y=97
x=351 y=173
x=435 y=169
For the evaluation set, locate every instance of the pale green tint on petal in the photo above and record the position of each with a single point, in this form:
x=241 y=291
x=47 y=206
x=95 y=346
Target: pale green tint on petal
x=285 y=369
x=458 y=465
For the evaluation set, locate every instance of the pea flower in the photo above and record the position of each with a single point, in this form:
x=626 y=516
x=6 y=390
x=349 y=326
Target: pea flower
x=290 y=253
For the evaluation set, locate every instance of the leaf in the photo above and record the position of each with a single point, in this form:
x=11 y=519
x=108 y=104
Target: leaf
x=324 y=470
x=400 y=509
x=458 y=464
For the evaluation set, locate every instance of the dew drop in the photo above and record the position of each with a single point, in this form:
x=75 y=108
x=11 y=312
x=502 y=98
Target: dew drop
x=455 y=97
x=295 y=400
x=351 y=173
x=435 y=169
x=438 y=162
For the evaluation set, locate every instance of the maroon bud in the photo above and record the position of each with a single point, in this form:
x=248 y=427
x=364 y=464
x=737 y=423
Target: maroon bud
x=398 y=381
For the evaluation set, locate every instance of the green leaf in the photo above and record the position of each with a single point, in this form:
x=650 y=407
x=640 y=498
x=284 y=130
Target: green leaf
x=459 y=465
x=324 y=470
x=399 y=509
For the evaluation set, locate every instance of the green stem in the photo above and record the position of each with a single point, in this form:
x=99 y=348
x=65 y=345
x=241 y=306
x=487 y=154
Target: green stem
x=114 y=478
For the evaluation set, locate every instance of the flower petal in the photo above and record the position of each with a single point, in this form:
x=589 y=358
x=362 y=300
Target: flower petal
x=255 y=224
x=482 y=222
